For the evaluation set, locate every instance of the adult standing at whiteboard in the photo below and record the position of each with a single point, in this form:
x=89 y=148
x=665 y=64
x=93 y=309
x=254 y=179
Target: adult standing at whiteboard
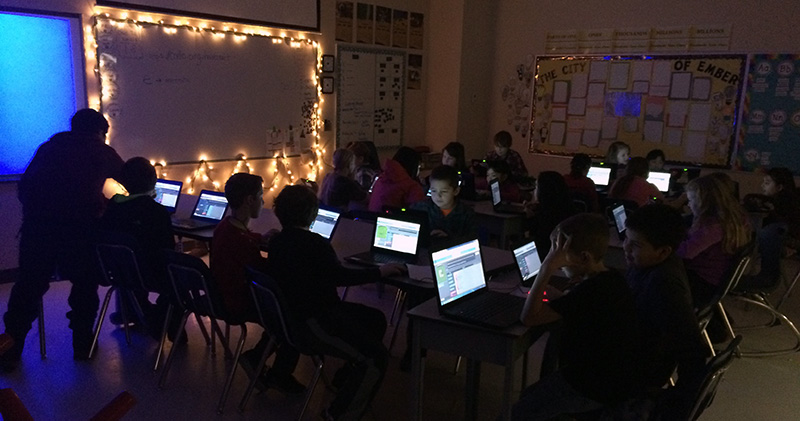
x=62 y=200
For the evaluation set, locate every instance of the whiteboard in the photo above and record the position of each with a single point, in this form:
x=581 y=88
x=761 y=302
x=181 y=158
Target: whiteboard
x=370 y=96
x=295 y=14
x=178 y=96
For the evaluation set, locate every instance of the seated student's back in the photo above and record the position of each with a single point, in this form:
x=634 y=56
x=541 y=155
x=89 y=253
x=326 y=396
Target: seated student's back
x=633 y=186
x=581 y=186
x=397 y=187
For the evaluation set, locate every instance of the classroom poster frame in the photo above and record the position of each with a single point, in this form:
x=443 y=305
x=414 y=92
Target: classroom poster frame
x=686 y=105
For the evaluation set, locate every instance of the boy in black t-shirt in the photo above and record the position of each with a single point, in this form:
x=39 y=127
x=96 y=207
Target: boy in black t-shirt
x=597 y=356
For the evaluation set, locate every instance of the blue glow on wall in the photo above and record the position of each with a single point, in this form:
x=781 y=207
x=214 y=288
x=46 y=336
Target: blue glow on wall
x=37 y=85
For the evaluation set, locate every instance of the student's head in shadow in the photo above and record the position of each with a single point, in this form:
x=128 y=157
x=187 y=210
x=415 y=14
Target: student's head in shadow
x=453 y=155
x=588 y=243
x=777 y=180
x=444 y=186
x=366 y=154
x=498 y=170
x=138 y=176
x=502 y=143
x=245 y=194
x=580 y=164
x=656 y=159
x=296 y=206
x=89 y=122
x=344 y=162
x=551 y=191
x=653 y=233
x=409 y=159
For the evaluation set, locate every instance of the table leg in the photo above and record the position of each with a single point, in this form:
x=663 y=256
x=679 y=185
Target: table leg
x=508 y=389
x=418 y=369
x=472 y=390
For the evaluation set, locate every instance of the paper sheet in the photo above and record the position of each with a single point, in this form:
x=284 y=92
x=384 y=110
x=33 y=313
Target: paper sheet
x=591 y=138
x=594 y=119
x=573 y=139
x=598 y=71
x=610 y=126
x=619 y=75
x=653 y=131
x=579 y=83
x=560 y=91
x=557 y=131
x=596 y=95
x=577 y=106
x=701 y=88
x=695 y=144
x=680 y=87
x=661 y=73
x=699 y=117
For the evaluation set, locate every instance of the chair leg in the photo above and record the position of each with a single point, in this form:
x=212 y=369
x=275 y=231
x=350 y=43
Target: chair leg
x=261 y=363
x=222 y=338
x=163 y=336
x=172 y=350
x=203 y=330
x=318 y=363
x=401 y=305
x=458 y=365
x=42 y=343
x=228 y=382
x=344 y=294
x=722 y=313
x=788 y=290
x=100 y=321
x=708 y=342
x=398 y=297
x=778 y=315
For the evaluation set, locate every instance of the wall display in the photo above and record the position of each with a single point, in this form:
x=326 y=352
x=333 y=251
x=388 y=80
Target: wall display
x=41 y=82
x=399 y=28
x=416 y=31
x=516 y=96
x=364 y=23
x=344 y=21
x=769 y=131
x=662 y=39
x=414 y=71
x=370 y=95
x=383 y=25
x=171 y=93
x=293 y=14
x=684 y=105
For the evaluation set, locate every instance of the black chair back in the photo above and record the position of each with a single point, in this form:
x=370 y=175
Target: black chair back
x=714 y=371
x=116 y=254
x=193 y=285
x=273 y=310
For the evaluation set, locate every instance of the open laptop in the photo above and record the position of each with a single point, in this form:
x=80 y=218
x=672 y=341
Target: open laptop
x=529 y=263
x=463 y=294
x=326 y=222
x=167 y=193
x=660 y=180
x=393 y=241
x=620 y=216
x=501 y=206
x=208 y=211
x=600 y=175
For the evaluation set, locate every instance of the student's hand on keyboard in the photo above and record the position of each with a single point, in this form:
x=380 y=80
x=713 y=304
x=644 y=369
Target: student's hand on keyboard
x=392 y=269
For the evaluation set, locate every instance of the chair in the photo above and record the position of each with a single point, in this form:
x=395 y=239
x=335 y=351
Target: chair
x=729 y=280
x=120 y=268
x=195 y=292
x=756 y=289
x=714 y=371
x=276 y=318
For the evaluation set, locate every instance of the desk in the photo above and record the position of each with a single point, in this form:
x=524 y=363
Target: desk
x=504 y=225
x=477 y=344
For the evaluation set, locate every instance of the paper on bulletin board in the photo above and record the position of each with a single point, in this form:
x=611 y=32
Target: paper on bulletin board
x=364 y=23
x=647 y=102
x=769 y=132
x=383 y=25
x=344 y=21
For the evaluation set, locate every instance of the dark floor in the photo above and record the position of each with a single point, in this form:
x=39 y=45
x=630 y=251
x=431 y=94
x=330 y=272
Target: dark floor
x=58 y=388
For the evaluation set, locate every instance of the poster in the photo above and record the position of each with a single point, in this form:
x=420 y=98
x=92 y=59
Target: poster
x=414 y=71
x=344 y=21
x=399 y=28
x=684 y=105
x=769 y=131
x=416 y=31
x=364 y=23
x=383 y=25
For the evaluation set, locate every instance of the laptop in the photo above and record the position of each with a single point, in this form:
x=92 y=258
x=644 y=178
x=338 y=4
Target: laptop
x=462 y=291
x=394 y=241
x=600 y=175
x=529 y=263
x=208 y=211
x=326 y=222
x=619 y=220
x=660 y=180
x=167 y=193
x=499 y=205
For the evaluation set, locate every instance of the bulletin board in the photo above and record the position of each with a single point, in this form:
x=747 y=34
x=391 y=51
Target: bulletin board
x=684 y=105
x=769 y=132
x=370 y=95
x=175 y=94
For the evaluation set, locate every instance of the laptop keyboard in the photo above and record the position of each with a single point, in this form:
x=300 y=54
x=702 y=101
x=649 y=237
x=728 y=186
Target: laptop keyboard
x=385 y=258
x=490 y=306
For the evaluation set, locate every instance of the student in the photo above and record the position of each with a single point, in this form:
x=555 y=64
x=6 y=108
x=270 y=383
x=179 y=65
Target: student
x=503 y=152
x=719 y=229
x=551 y=205
x=339 y=189
x=656 y=276
x=618 y=153
x=398 y=187
x=234 y=248
x=138 y=215
x=509 y=189
x=449 y=219
x=781 y=201
x=308 y=270
x=453 y=155
x=656 y=159
x=633 y=186
x=581 y=186
x=62 y=200
x=368 y=165
x=598 y=360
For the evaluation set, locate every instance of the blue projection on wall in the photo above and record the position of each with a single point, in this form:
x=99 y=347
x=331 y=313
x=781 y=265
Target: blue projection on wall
x=38 y=78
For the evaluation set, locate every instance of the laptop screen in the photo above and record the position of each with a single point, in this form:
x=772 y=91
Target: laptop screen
x=494 y=185
x=660 y=179
x=211 y=205
x=325 y=222
x=619 y=217
x=528 y=260
x=395 y=235
x=600 y=175
x=167 y=193
x=458 y=271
